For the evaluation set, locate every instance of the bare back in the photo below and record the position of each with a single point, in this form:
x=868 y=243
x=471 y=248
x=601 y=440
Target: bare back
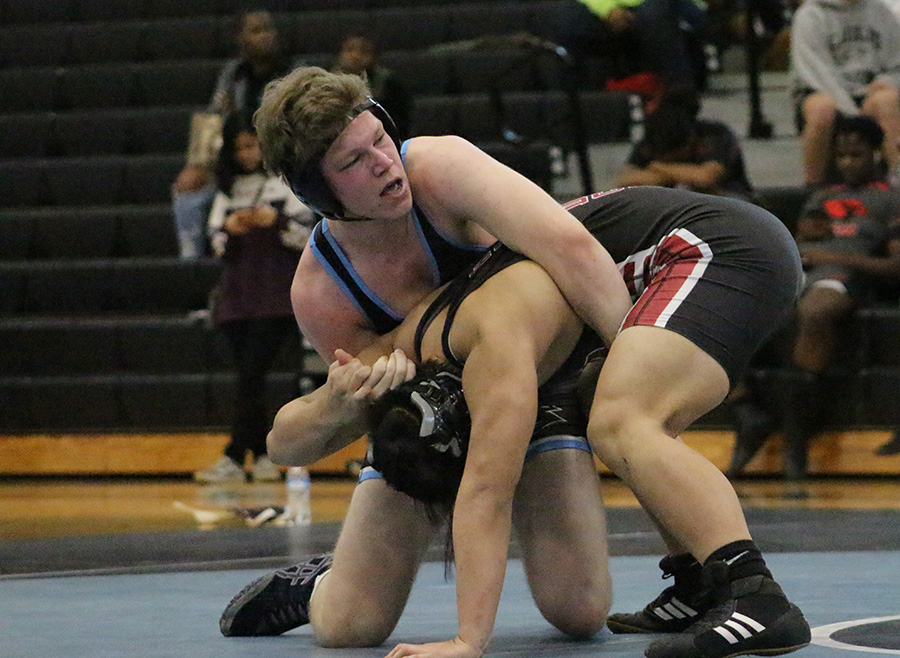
x=519 y=308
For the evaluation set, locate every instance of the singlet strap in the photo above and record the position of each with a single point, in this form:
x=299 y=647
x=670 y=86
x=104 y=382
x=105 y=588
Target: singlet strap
x=437 y=305
x=380 y=318
x=452 y=298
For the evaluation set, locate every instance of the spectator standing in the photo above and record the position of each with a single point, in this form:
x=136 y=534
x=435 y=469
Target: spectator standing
x=681 y=150
x=238 y=89
x=359 y=54
x=258 y=227
x=845 y=56
x=849 y=238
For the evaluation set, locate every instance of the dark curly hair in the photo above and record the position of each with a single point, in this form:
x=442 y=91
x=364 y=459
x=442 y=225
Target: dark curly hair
x=419 y=434
x=419 y=439
x=867 y=128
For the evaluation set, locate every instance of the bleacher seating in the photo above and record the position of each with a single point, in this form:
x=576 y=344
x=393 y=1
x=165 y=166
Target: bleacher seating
x=95 y=102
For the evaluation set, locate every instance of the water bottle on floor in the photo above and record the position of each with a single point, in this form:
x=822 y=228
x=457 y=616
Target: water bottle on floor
x=298 y=499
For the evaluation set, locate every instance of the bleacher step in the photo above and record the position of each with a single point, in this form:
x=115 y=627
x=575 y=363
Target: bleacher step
x=845 y=453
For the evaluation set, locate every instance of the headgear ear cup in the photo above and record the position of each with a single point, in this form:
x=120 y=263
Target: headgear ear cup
x=419 y=434
x=308 y=182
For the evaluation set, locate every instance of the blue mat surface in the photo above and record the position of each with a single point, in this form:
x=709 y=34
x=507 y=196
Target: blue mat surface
x=170 y=615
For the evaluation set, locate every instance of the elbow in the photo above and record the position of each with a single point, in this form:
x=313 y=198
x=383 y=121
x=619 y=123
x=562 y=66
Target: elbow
x=488 y=488
x=283 y=445
x=277 y=448
x=578 y=247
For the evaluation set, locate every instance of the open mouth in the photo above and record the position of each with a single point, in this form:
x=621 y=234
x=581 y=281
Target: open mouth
x=393 y=187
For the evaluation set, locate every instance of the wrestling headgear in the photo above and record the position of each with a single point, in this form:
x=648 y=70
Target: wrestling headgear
x=420 y=437
x=308 y=183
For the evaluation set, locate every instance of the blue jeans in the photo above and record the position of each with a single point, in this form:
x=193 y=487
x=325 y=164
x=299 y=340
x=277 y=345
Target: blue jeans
x=190 y=210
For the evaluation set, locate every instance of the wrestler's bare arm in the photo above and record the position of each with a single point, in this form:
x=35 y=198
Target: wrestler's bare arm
x=516 y=326
x=451 y=177
x=333 y=416
x=500 y=383
x=324 y=314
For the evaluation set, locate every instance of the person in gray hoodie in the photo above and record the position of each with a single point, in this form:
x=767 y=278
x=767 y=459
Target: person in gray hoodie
x=845 y=58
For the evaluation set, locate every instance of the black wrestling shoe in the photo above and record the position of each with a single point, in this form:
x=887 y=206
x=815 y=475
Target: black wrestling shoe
x=676 y=608
x=753 y=616
x=275 y=603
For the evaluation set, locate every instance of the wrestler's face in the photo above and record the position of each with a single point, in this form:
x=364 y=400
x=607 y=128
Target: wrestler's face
x=364 y=170
x=855 y=160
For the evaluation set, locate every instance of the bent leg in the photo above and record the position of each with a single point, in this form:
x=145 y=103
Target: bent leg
x=359 y=601
x=884 y=106
x=561 y=525
x=655 y=383
x=819 y=314
x=190 y=210
x=819 y=112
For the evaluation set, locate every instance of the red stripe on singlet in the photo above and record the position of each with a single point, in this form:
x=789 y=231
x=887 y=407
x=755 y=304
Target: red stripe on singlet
x=678 y=259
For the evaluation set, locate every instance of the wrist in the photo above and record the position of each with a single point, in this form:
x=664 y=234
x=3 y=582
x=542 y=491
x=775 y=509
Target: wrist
x=475 y=649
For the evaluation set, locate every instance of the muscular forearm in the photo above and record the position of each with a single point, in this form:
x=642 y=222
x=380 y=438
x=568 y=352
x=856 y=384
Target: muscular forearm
x=312 y=427
x=470 y=186
x=481 y=532
x=592 y=284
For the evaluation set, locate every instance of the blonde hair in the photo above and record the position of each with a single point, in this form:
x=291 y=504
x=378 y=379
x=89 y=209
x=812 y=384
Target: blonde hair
x=302 y=113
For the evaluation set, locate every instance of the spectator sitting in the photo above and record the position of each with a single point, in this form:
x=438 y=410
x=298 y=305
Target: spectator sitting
x=681 y=150
x=662 y=37
x=238 y=89
x=258 y=228
x=845 y=56
x=359 y=54
x=849 y=238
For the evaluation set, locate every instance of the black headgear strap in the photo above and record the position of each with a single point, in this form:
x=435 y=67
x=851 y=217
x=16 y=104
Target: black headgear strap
x=309 y=184
x=445 y=415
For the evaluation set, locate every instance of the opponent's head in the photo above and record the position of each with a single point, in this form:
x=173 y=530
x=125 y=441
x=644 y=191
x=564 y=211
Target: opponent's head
x=301 y=117
x=420 y=436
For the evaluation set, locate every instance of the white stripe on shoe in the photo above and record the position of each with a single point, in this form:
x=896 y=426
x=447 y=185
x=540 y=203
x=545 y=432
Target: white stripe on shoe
x=675 y=609
x=744 y=625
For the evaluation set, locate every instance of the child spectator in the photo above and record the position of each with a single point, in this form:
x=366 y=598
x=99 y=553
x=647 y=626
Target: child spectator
x=258 y=228
x=849 y=238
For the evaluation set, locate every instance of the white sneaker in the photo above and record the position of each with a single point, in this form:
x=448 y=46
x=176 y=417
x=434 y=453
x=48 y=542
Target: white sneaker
x=265 y=471
x=224 y=470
